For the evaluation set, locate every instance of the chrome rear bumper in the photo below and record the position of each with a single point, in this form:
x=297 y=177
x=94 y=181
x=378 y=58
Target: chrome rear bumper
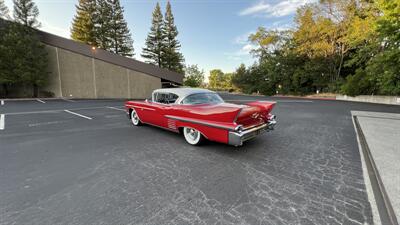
x=237 y=138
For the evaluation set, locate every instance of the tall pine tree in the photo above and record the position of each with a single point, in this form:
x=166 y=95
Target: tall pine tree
x=119 y=35
x=172 y=58
x=102 y=24
x=155 y=41
x=29 y=58
x=4 y=12
x=26 y=13
x=83 y=25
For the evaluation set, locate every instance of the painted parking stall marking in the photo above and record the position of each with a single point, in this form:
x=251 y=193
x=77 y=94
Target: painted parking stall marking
x=68 y=100
x=115 y=108
x=2 y=102
x=278 y=101
x=41 y=101
x=45 y=123
x=77 y=114
x=2 y=121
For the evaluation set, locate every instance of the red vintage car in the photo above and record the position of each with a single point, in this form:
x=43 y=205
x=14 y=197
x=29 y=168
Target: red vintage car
x=202 y=114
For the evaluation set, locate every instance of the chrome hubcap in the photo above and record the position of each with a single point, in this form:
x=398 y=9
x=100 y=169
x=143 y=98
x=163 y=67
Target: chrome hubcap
x=192 y=134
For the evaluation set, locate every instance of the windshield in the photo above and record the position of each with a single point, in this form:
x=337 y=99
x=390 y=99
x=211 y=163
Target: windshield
x=202 y=98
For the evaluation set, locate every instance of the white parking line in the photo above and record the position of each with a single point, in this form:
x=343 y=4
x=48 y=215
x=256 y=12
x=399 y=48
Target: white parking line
x=255 y=100
x=298 y=101
x=40 y=100
x=68 y=100
x=77 y=114
x=52 y=111
x=2 y=102
x=115 y=108
x=2 y=121
x=45 y=123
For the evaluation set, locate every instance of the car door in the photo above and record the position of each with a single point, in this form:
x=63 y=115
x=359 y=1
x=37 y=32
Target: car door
x=162 y=104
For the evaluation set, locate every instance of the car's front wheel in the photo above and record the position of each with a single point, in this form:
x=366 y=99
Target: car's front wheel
x=192 y=136
x=135 y=118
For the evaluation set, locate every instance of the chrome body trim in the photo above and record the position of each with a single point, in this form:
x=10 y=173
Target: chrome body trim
x=165 y=128
x=141 y=107
x=236 y=138
x=199 y=122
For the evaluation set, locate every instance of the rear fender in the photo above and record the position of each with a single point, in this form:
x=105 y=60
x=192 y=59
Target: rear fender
x=258 y=110
x=263 y=105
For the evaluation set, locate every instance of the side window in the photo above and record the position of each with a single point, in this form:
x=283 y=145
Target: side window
x=172 y=98
x=165 y=98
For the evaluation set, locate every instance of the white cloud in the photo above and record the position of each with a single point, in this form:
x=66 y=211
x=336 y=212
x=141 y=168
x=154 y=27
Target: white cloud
x=279 y=9
x=243 y=54
x=281 y=25
x=246 y=49
x=243 y=39
x=257 y=8
x=50 y=28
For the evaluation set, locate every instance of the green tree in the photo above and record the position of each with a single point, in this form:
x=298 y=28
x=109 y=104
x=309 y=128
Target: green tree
x=155 y=41
x=239 y=78
x=194 y=77
x=84 y=23
x=377 y=59
x=120 y=38
x=9 y=62
x=35 y=61
x=220 y=80
x=4 y=12
x=215 y=78
x=102 y=24
x=26 y=13
x=23 y=58
x=385 y=66
x=173 y=59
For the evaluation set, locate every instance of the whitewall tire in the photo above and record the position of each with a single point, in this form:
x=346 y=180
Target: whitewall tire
x=135 y=118
x=192 y=136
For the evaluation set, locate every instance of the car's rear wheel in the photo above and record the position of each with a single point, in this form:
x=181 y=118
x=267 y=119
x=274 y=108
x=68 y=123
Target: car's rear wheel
x=192 y=136
x=135 y=118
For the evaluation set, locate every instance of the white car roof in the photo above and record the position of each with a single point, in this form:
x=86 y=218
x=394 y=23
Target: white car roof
x=183 y=92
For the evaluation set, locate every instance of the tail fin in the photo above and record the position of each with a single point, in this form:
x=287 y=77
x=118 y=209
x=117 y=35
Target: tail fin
x=263 y=105
x=251 y=115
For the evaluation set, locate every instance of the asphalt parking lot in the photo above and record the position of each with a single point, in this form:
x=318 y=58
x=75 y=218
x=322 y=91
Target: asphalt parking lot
x=81 y=162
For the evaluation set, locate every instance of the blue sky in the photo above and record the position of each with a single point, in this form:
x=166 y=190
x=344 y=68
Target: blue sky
x=213 y=33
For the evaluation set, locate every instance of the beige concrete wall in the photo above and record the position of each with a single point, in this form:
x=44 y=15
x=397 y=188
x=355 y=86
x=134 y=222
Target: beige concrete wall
x=73 y=75
x=391 y=100
x=142 y=85
x=111 y=80
x=77 y=75
x=54 y=78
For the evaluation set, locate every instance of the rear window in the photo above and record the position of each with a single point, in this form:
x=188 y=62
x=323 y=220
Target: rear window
x=165 y=98
x=202 y=98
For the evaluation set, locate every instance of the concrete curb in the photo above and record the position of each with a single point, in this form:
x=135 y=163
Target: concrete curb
x=381 y=199
x=387 y=100
x=303 y=97
x=379 y=99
